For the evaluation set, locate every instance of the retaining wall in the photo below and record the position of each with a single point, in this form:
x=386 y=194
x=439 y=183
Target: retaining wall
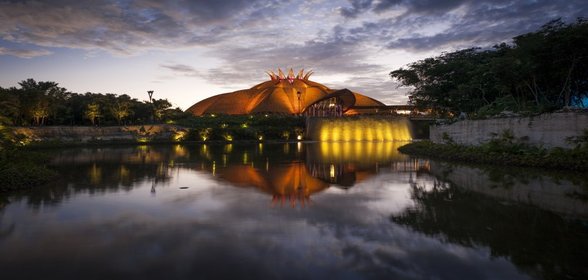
x=85 y=134
x=547 y=130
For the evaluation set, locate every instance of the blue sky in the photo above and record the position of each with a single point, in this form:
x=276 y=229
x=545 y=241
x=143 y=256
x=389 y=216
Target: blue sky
x=189 y=50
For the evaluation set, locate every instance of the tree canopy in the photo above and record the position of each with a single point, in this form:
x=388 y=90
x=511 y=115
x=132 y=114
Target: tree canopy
x=45 y=103
x=538 y=72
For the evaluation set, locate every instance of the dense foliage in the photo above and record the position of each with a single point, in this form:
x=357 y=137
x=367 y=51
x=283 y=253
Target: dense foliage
x=538 y=72
x=244 y=127
x=45 y=103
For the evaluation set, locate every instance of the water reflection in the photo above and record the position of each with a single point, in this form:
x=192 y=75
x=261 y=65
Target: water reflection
x=287 y=172
x=323 y=210
x=541 y=243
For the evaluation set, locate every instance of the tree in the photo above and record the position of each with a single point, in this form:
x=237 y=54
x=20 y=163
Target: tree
x=159 y=108
x=92 y=112
x=121 y=108
x=40 y=110
x=540 y=71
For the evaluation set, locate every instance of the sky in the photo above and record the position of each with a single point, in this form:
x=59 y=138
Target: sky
x=186 y=51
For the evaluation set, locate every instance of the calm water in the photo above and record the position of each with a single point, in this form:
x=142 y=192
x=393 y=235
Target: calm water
x=292 y=211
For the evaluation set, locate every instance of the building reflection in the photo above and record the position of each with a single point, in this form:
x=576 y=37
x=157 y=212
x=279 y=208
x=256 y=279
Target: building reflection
x=292 y=172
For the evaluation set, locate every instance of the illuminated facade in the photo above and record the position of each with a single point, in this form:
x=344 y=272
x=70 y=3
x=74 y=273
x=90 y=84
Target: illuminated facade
x=286 y=94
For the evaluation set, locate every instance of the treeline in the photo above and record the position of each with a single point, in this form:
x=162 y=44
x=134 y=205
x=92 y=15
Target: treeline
x=45 y=103
x=539 y=71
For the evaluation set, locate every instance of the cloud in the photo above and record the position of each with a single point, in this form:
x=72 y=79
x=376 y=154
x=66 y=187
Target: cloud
x=182 y=69
x=419 y=6
x=120 y=27
x=424 y=25
x=24 y=53
x=357 y=7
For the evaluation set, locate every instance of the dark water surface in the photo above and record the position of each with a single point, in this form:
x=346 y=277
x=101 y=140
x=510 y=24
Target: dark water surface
x=292 y=211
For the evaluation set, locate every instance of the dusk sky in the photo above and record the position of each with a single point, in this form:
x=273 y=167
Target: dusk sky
x=189 y=50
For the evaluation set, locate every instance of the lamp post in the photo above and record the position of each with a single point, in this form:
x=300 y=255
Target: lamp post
x=150 y=93
x=298 y=94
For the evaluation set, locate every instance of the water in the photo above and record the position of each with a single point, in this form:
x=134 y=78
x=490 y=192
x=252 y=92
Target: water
x=292 y=211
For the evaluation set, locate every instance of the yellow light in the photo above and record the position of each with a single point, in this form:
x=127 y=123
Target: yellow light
x=179 y=135
x=332 y=171
x=363 y=129
x=299 y=137
x=260 y=137
x=244 y=125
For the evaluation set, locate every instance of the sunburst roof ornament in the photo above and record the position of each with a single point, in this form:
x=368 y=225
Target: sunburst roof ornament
x=290 y=77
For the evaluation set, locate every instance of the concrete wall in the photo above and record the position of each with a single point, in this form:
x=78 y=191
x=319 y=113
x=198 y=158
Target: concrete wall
x=547 y=130
x=108 y=133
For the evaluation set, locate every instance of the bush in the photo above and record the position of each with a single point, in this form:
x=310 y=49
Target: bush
x=23 y=169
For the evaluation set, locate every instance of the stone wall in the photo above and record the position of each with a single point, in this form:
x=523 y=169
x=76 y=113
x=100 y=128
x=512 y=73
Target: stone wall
x=547 y=130
x=84 y=134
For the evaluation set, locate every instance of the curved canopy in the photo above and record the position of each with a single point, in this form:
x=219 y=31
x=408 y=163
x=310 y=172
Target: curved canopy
x=287 y=94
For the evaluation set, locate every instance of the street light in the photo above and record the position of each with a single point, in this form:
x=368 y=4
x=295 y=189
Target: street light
x=150 y=93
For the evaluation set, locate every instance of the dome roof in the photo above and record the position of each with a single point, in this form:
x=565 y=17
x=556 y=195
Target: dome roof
x=278 y=95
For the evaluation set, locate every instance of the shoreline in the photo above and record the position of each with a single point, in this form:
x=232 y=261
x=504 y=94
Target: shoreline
x=509 y=154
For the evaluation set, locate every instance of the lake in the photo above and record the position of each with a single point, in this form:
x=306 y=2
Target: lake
x=341 y=210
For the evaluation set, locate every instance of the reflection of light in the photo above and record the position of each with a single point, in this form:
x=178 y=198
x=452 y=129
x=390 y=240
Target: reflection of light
x=213 y=168
x=245 y=158
x=355 y=151
x=123 y=172
x=95 y=174
x=142 y=139
x=224 y=160
x=298 y=147
x=180 y=150
x=260 y=148
x=228 y=148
